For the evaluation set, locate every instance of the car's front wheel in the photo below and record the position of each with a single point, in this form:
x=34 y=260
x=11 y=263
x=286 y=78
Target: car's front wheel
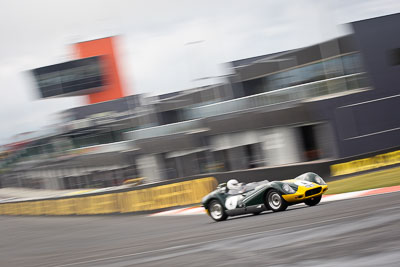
x=275 y=202
x=313 y=201
x=217 y=211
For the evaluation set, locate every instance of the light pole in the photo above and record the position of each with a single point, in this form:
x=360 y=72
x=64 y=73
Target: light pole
x=191 y=55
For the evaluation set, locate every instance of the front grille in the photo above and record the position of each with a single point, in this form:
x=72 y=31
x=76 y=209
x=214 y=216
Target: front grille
x=313 y=191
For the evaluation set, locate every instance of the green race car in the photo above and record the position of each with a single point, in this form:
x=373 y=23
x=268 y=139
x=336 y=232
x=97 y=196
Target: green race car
x=233 y=198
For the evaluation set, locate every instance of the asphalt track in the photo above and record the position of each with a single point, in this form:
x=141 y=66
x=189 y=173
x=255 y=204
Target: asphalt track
x=356 y=232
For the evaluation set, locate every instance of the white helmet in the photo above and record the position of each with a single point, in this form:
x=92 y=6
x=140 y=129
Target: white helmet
x=233 y=184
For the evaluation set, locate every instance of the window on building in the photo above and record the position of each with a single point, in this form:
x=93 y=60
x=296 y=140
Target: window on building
x=171 y=116
x=253 y=87
x=394 y=57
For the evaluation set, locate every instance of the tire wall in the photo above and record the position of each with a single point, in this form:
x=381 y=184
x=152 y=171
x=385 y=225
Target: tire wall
x=152 y=198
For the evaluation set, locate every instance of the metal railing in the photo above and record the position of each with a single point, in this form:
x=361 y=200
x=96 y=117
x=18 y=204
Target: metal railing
x=292 y=93
x=163 y=130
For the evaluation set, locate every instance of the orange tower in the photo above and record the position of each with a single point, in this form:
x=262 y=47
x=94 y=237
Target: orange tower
x=103 y=47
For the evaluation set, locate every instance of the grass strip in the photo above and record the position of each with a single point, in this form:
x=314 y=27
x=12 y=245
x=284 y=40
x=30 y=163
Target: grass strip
x=384 y=178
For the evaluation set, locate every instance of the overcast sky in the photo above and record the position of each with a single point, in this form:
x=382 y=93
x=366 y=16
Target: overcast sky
x=153 y=48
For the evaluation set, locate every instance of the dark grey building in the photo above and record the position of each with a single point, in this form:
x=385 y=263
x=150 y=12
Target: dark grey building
x=369 y=121
x=327 y=101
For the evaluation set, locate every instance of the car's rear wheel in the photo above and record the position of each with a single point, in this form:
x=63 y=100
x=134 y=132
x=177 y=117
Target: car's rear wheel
x=275 y=202
x=217 y=211
x=313 y=201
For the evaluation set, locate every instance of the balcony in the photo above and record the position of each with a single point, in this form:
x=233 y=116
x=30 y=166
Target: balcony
x=103 y=148
x=162 y=130
x=71 y=153
x=288 y=94
x=293 y=93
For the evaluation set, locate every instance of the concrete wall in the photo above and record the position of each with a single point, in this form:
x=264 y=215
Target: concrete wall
x=150 y=167
x=281 y=146
x=324 y=135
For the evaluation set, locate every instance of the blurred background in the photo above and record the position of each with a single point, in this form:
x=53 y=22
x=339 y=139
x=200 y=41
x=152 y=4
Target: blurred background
x=141 y=108
x=97 y=93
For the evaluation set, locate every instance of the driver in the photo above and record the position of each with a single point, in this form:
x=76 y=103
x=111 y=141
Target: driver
x=235 y=187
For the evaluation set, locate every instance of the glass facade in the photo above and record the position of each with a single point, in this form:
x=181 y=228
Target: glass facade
x=96 y=139
x=335 y=67
x=288 y=94
x=59 y=146
x=323 y=78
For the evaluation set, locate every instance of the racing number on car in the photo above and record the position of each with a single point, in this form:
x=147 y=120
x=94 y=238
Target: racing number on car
x=231 y=202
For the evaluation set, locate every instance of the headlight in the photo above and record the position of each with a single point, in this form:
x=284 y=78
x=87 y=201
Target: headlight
x=319 y=180
x=288 y=189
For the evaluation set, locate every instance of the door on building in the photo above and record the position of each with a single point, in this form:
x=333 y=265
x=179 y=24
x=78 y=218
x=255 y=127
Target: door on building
x=221 y=160
x=309 y=143
x=171 y=170
x=254 y=155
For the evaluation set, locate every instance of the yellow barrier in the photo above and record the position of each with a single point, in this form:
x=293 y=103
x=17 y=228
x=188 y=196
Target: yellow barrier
x=366 y=163
x=153 y=198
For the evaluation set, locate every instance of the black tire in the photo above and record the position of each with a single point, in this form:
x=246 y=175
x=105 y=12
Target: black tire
x=274 y=201
x=217 y=211
x=313 y=201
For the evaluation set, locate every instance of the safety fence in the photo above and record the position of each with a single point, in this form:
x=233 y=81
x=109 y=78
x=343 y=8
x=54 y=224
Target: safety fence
x=152 y=198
